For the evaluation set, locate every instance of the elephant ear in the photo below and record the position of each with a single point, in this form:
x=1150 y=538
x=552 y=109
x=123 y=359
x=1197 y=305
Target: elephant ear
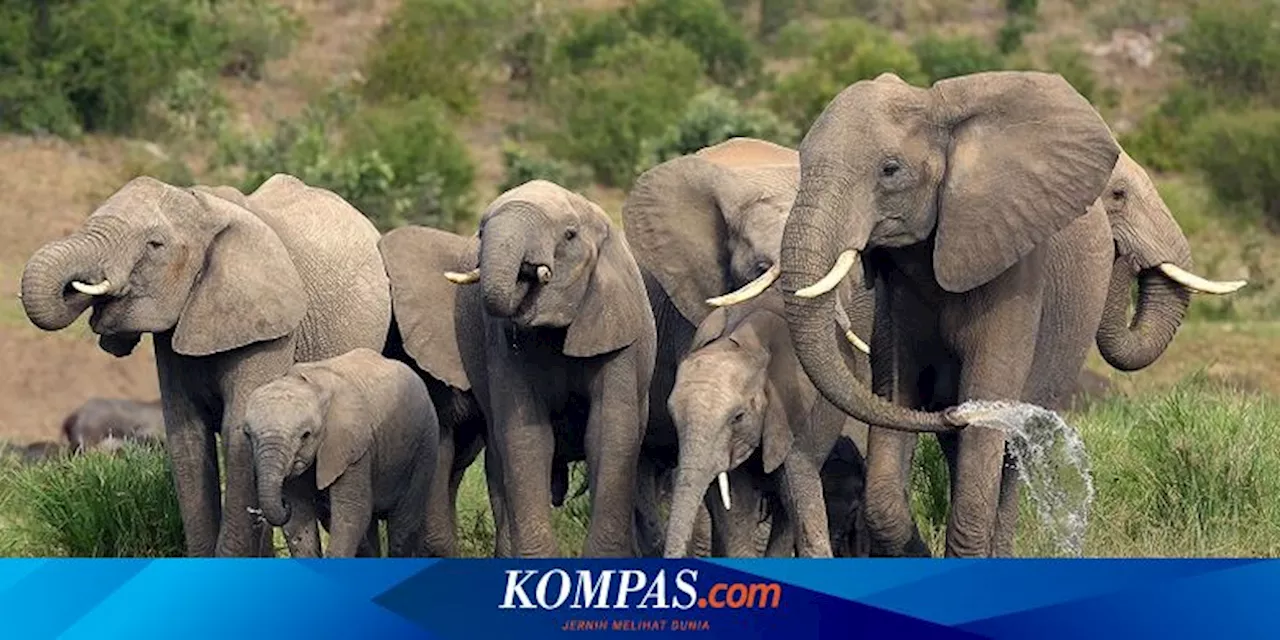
x=675 y=226
x=1028 y=154
x=248 y=289
x=423 y=302
x=348 y=429
x=614 y=311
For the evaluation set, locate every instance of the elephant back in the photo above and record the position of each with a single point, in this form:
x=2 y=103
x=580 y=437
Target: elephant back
x=335 y=249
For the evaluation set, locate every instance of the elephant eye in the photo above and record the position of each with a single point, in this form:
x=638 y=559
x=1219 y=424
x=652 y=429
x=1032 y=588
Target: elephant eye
x=738 y=417
x=306 y=434
x=1118 y=194
x=890 y=168
x=155 y=244
x=761 y=267
x=570 y=233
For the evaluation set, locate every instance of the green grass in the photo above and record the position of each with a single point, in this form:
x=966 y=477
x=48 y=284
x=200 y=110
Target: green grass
x=93 y=505
x=1189 y=471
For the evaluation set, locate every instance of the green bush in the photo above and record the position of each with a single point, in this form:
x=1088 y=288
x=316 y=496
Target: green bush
x=848 y=51
x=947 y=57
x=1239 y=155
x=1009 y=37
x=254 y=32
x=726 y=54
x=522 y=165
x=711 y=117
x=1233 y=48
x=98 y=65
x=1158 y=141
x=1066 y=58
x=628 y=93
x=96 y=504
x=437 y=48
x=398 y=163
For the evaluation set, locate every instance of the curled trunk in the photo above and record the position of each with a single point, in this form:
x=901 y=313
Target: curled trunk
x=1162 y=303
x=47 y=297
x=271 y=463
x=502 y=255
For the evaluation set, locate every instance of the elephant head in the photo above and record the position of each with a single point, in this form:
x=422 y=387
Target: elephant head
x=155 y=258
x=730 y=399
x=710 y=222
x=299 y=421
x=984 y=167
x=550 y=258
x=1150 y=244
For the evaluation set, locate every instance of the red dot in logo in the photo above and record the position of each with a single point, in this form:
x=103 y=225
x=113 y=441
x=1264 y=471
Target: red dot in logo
x=702 y=603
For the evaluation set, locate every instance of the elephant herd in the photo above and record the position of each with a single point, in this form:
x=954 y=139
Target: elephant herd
x=757 y=354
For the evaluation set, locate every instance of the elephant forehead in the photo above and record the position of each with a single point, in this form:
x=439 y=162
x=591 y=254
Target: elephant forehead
x=543 y=194
x=286 y=391
x=142 y=197
x=720 y=363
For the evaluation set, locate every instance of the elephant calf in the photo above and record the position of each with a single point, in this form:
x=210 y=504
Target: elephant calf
x=117 y=419
x=357 y=433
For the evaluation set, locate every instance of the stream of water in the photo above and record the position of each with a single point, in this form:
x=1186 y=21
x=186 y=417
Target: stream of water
x=1052 y=463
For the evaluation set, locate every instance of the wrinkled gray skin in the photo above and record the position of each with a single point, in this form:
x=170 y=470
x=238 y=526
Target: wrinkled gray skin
x=741 y=402
x=700 y=226
x=560 y=368
x=971 y=204
x=356 y=432
x=117 y=418
x=234 y=291
x=844 y=492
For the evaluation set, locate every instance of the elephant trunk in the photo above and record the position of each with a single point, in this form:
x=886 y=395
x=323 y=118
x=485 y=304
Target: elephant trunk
x=271 y=459
x=509 y=259
x=686 y=497
x=48 y=297
x=812 y=250
x=1162 y=303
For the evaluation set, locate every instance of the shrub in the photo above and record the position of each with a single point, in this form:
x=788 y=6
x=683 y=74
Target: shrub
x=1158 y=141
x=1073 y=65
x=942 y=57
x=436 y=48
x=98 y=65
x=725 y=53
x=398 y=163
x=522 y=165
x=1233 y=48
x=849 y=51
x=628 y=93
x=1239 y=155
x=253 y=32
x=1009 y=37
x=96 y=504
x=712 y=117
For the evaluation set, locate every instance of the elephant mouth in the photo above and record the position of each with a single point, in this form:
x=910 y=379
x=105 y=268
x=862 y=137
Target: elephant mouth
x=104 y=314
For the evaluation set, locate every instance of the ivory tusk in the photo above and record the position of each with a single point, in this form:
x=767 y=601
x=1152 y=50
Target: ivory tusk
x=1197 y=283
x=470 y=277
x=91 y=289
x=723 y=480
x=749 y=290
x=844 y=262
x=544 y=274
x=857 y=342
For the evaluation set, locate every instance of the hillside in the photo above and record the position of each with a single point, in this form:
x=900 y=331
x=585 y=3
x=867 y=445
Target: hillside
x=51 y=184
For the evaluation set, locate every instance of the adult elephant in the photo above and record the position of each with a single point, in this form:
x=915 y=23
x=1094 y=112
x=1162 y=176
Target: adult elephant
x=973 y=206
x=701 y=225
x=234 y=290
x=563 y=370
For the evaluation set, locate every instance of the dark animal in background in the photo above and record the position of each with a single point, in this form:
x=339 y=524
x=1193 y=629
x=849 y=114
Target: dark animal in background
x=99 y=419
x=34 y=452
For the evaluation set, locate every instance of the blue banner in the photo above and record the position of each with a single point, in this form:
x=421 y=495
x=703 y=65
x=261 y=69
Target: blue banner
x=447 y=599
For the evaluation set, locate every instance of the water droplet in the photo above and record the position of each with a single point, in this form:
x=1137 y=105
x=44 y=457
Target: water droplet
x=1052 y=464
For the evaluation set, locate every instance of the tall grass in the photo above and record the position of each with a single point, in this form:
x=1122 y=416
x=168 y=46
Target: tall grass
x=92 y=505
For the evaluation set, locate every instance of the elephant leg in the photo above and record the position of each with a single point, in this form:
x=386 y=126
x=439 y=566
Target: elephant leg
x=441 y=536
x=649 y=529
x=370 y=544
x=700 y=546
x=407 y=524
x=192 y=449
x=351 y=512
x=733 y=531
x=1007 y=510
x=782 y=533
x=890 y=524
x=301 y=532
x=502 y=544
x=995 y=346
x=615 y=429
x=801 y=489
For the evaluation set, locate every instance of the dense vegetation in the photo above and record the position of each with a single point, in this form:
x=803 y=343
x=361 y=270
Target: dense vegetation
x=603 y=93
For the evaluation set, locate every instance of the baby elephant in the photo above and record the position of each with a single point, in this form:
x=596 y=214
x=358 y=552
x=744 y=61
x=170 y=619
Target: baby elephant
x=354 y=436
